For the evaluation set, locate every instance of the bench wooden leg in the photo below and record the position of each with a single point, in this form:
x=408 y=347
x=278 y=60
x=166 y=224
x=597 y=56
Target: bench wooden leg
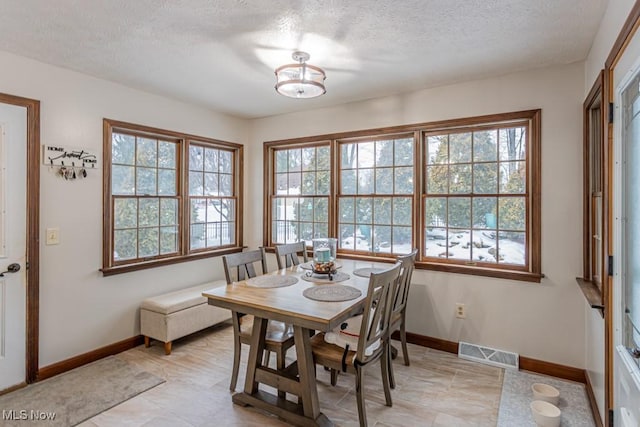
x=167 y=348
x=147 y=342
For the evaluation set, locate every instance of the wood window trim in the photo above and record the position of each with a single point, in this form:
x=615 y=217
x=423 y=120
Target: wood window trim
x=532 y=274
x=109 y=266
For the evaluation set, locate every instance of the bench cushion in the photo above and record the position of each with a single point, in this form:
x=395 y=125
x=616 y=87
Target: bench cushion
x=179 y=300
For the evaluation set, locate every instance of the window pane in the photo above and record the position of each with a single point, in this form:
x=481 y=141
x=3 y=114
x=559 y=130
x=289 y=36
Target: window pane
x=308 y=159
x=122 y=180
x=149 y=212
x=323 y=162
x=384 y=153
x=196 y=158
x=404 y=152
x=125 y=243
x=366 y=155
x=484 y=212
x=512 y=248
x=228 y=210
x=214 y=210
x=437 y=179
x=347 y=209
x=211 y=184
x=459 y=147
x=382 y=238
x=460 y=212
x=146 y=181
x=306 y=209
x=347 y=236
x=320 y=230
x=166 y=155
x=511 y=213
x=460 y=179
x=293 y=185
x=365 y=181
x=485 y=178
x=321 y=210
x=513 y=143
x=382 y=210
x=197 y=238
x=323 y=181
x=147 y=154
x=225 y=161
x=196 y=184
x=282 y=183
x=306 y=231
x=438 y=149
x=211 y=160
x=228 y=233
x=308 y=183
x=295 y=160
x=453 y=247
x=125 y=212
x=512 y=177
x=404 y=181
x=168 y=240
x=167 y=182
x=384 y=181
x=348 y=182
x=402 y=240
x=281 y=160
x=348 y=156
x=214 y=234
x=364 y=209
x=434 y=241
x=198 y=210
x=435 y=212
x=485 y=146
x=402 y=211
x=148 y=243
x=226 y=188
x=123 y=149
x=168 y=211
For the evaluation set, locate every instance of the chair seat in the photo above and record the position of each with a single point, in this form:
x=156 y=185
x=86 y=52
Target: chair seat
x=277 y=332
x=329 y=355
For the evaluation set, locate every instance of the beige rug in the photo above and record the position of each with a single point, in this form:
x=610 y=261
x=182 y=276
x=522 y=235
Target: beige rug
x=75 y=396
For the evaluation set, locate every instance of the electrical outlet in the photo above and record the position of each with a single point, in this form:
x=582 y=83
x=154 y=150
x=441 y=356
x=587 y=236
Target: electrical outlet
x=52 y=236
x=461 y=312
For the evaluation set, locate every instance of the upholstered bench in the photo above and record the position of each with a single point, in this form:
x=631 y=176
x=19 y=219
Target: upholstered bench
x=176 y=314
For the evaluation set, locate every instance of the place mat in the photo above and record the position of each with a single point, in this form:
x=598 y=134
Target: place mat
x=271 y=281
x=366 y=272
x=309 y=265
x=324 y=278
x=332 y=293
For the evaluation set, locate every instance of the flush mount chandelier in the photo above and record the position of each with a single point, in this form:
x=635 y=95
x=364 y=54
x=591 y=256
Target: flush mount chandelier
x=300 y=80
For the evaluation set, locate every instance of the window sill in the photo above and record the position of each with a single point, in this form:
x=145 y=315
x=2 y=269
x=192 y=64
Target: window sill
x=524 y=276
x=592 y=293
x=126 y=268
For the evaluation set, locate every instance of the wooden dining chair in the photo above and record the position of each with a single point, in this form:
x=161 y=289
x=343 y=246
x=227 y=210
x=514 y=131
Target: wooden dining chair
x=373 y=340
x=399 y=310
x=287 y=254
x=279 y=337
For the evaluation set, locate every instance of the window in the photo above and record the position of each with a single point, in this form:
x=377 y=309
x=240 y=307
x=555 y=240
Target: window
x=466 y=192
x=160 y=208
x=376 y=195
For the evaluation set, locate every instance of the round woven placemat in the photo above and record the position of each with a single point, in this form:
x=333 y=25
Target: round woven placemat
x=270 y=281
x=366 y=272
x=332 y=293
x=324 y=278
x=309 y=265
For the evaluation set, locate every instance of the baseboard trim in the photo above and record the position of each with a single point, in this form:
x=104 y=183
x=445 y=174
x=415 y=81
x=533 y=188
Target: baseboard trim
x=13 y=388
x=92 y=356
x=424 y=341
x=593 y=403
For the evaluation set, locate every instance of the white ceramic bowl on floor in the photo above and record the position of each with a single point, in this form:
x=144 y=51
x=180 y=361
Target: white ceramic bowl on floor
x=545 y=392
x=545 y=414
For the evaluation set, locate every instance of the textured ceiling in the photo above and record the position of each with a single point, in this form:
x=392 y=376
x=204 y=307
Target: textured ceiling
x=221 y=53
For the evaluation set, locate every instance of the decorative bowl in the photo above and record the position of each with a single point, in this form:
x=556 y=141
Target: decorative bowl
x=545 y=414
x=545 y=392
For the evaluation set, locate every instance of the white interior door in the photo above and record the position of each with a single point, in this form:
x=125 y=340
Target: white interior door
x=13 y=162
x=626 y=194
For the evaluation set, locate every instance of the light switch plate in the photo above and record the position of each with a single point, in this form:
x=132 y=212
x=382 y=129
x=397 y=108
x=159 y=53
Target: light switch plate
x=53 y=236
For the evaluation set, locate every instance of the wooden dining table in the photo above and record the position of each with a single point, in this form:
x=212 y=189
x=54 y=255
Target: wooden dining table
x=288 y=304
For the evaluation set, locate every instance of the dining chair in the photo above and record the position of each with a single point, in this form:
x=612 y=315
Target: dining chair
x=399 y=308
x=288 y=253
x=279 y=337
x=372 y=342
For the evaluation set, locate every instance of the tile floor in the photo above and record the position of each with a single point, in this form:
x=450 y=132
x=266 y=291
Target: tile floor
x=438 y=389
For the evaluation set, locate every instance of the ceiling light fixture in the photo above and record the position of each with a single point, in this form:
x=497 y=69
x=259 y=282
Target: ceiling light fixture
x=300 y=80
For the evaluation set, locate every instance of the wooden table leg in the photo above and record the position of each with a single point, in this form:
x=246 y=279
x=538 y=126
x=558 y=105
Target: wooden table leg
x=306 y=373
x=255 y=354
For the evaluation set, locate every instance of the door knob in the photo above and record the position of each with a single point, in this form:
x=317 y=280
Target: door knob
x=12 y=268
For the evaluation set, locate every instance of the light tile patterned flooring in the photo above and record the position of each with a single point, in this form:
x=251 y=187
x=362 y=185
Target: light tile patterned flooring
x=438 y=389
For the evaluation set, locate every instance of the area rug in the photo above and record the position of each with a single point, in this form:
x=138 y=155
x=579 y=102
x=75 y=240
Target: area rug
x=75 y=396
x=517 y=396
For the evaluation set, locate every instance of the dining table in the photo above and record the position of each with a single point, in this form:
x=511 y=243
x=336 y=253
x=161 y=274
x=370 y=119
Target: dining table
x=292 y=304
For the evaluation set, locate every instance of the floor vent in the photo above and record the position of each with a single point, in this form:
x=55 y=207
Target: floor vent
x=490 y=356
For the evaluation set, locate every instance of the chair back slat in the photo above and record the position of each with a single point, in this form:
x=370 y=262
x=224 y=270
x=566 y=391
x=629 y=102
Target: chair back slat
x=289 y=254
x=407 y=264
x=377 y=311
x=243 y=265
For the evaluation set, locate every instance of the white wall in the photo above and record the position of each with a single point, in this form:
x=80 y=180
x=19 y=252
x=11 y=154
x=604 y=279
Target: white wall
x=610 y=26
x=543 y=321
x=80 y=310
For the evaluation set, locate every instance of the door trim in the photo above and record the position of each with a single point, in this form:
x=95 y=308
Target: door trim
x=33 y=231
